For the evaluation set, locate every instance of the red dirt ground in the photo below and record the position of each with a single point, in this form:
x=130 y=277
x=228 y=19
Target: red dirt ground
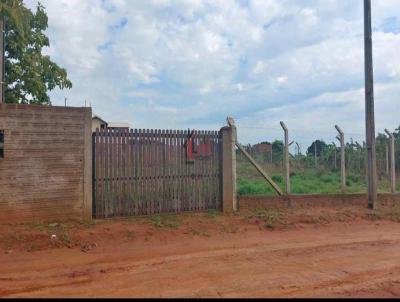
x=320 y=252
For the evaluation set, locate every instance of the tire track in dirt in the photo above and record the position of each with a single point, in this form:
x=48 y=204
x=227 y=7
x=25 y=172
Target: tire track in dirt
x=253 y=254
x=218 y=252
x=338 y=287
x=332 y=260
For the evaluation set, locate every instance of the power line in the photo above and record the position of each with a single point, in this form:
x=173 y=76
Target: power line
x=296 y=129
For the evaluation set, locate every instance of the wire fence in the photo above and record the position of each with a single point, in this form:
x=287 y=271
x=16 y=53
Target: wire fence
x=315 y=160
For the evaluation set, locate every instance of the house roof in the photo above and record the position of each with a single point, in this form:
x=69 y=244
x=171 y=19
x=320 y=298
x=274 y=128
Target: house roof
x=118 y=125
x=99 y=118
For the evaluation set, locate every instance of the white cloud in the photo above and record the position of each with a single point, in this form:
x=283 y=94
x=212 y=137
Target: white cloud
x=282 y=80
x=191 y=63
x=259 y=68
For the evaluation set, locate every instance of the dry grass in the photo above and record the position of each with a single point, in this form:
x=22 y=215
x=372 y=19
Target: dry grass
x=166 y=221
x=38 y=236
x=271 y=217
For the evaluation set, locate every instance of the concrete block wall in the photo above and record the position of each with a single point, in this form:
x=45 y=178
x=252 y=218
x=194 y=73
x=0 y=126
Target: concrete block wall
x=252 y=202
x=46 y=172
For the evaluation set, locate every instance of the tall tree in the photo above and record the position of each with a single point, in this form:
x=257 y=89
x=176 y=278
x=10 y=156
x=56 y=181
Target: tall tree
x=29 y=74
x=277 y=151
x=397 y=133
x=320 y=146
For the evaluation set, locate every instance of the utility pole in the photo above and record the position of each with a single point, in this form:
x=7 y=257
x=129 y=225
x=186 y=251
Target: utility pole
x=340 y=137
x=2 y=59
x=369 y=107
x=286 y=158
x=392 y=162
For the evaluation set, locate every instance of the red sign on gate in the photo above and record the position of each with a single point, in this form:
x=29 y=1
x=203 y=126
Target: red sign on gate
x=200 y=148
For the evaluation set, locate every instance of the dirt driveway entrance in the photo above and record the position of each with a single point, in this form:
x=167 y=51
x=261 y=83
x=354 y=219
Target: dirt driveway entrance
x=203 y=255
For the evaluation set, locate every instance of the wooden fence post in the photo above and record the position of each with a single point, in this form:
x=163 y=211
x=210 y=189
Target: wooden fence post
x=392 y=162
x=342 y=160
x=229 y=199
x=286 y=158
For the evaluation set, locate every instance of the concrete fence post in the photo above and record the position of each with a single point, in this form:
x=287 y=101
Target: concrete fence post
x=387 y=157
x=298 y=149
x=334 y=156
x=88 y=167
x=392 y=168
x=229 y=198
x=286 y=162
x=342 y=160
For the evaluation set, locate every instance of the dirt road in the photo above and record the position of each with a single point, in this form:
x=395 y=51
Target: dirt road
x=339 y=260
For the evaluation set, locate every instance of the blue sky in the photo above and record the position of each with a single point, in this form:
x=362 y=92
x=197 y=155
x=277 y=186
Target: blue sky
x=189 y=64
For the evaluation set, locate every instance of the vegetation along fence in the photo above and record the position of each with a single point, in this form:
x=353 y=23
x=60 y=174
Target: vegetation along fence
x=143 y=172
x=316 y=167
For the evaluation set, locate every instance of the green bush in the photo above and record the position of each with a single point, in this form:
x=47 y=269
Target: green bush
x=354 y=178
x=327 y=178
x=277 y=178
x=252 y=187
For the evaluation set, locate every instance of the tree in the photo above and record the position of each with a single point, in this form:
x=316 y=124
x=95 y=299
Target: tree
x=397 y=133
x=277 y=146
x=29 y=75
x=277 y=151
x=320 y=145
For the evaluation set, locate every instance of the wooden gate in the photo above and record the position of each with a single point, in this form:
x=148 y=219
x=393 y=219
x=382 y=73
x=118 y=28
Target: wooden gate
x=143 y=172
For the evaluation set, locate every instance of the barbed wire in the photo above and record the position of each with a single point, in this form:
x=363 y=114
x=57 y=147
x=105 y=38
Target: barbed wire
x=333 y=132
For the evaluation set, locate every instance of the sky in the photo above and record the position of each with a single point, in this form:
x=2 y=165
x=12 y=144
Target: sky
x=175 y=64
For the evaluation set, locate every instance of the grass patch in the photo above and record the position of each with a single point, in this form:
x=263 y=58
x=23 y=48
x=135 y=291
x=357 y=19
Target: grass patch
x=270 y=216
x=197 y=232
x=33 y=248
x=324 y=218
x=39 y=226
x=130 y=234
x=345 y=215
x=394 y=213
x=302 y=182
x=229 y=228
x=90 y=223
x=60 y=230
x=166 y=221
x=374 y=216
x=212 y=214
x=253 y=187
